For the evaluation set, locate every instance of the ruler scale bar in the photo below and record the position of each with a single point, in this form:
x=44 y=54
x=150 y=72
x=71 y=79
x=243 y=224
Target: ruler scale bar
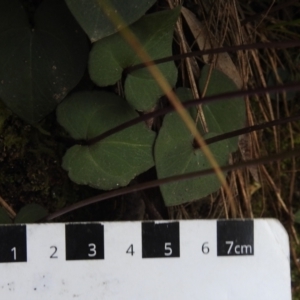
x=197 y=259
x=84 y=241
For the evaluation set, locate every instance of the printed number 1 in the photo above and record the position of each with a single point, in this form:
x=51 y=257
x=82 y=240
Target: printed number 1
x=14 y=250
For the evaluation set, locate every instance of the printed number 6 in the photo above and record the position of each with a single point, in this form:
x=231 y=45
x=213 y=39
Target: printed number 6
x=205 y=248
x=168 y=249
x=92 y=250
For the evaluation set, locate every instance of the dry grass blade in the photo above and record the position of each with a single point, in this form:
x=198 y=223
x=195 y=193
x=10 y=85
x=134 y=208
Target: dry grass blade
x=170 y=94
x=192 y=67
x=7 y=207
x=221 y=61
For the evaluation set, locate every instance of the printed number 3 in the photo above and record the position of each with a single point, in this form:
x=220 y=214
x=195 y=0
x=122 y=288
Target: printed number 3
x=92 y=250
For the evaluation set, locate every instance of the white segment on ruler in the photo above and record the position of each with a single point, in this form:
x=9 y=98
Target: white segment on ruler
x=120 y=275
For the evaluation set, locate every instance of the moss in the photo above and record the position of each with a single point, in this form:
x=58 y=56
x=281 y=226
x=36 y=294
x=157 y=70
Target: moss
x=29 y=165
x=31 y=172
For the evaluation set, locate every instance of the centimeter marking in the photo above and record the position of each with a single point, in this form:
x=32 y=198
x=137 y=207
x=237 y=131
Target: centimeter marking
x=193 y=259
x=86 y=241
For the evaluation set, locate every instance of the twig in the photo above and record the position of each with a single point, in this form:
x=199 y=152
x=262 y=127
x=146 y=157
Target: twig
x=142 y=118
x=277 y=45
x=155 y=183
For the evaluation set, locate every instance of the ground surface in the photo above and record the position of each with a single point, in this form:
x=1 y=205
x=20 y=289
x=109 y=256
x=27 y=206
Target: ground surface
x=30 y=158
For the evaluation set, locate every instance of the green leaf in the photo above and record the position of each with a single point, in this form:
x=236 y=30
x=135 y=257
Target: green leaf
x=297 y=217
x=285 y=77
x=114 y=161
x=175 y=154
x=39 y=65
x=31 y=213
x=174 y=151
x=111 y=55
x=94 y=21
x=4 y=218
x=225 y=115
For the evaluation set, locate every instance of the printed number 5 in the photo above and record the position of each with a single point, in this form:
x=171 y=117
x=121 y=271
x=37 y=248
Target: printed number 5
x=92 y=250
x=168 y=249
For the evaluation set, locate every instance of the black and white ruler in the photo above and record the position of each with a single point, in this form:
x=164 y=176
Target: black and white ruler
x=211 y=260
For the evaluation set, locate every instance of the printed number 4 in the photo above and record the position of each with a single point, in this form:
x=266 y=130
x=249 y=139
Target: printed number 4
x=130 y=250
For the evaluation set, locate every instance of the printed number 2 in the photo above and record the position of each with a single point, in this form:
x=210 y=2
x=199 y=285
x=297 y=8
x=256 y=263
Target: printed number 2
x=168 y=249
x=54 y=252
x=92 y=250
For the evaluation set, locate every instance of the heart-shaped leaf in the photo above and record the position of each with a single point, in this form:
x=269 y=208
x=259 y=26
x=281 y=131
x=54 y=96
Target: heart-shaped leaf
x=111 y=55
x=4 y=218
x=114 y=161
x=175 y=152
x=93 y=16
x=286 y=77
x=226 y=115
x=297 y=217
x=39 y=65
x=31 y=213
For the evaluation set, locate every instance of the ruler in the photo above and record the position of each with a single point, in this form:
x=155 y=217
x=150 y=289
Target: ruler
x=196 y=259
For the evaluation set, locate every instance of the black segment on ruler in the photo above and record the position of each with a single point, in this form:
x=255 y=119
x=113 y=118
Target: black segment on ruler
x=13 y=246
x=84 y=241
x=235 y=238
x=160 y=240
